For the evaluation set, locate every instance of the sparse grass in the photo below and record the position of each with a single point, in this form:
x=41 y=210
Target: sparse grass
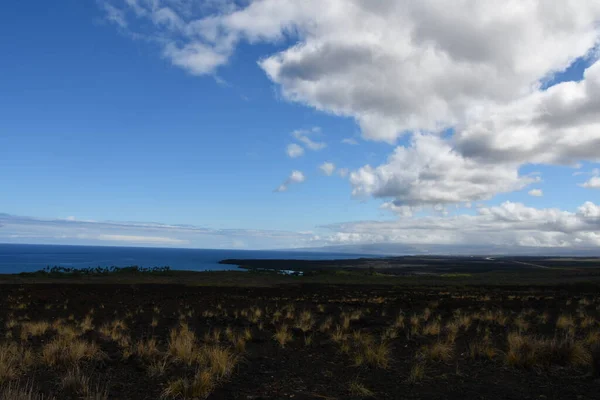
x=283 y=335
x=158 y=367
x=417 y=372
x=326 y=325
x=14 y=361
x=220 y=361
x=305 y=321
x=528 y=351
x=65 y=351
x=432 y=328
x=482 y=349
x=200 y=387
x=438 y=351
x=359 y=390
x=29 y=329
x=182 y=344
x=565 y=322
x=147 y=349
x=14 y=391
x=399 y=321
x=74 y=381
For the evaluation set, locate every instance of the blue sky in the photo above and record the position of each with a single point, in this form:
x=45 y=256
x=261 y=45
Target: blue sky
x=100 y=122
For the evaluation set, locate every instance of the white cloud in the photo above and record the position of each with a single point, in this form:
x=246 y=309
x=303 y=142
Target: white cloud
x=536 y=192
x=592 y=183
x=327 y=168
x=293 y=150
x=431 y=172
x=397 y=66
x=510 y=224
x=402 y=67
x=350 y=141
x=302 y=135
x=560 y=125
x=17 y=229
x=295 y=177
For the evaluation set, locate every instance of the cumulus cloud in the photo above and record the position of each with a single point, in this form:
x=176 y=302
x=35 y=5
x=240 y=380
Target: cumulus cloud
x=327 y=168
x=293 y=150
x=559 y=125
x=509 y=224
x=536 y=192
x=431 y=172
x=465 y=81
x=295 y=177
x=350 y=141
x=592 y=183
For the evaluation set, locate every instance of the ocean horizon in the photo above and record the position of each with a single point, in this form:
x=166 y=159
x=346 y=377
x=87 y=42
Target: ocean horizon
x=16 y=258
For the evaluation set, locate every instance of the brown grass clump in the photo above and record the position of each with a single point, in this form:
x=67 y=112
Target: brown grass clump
x=399 y=321
x=376 y=354
x=464 y=321
x=565 y=322
x=75 y=382
x=14 y=391
x=87 y=323
x=182 y=344
x=147 y=349
x=359 y=390
x=305 y=321
x=432 y=328
x=14 y=360
x=417 y=372
x=521 y=324
x=220 y=361
x=587 y=322
x=200 y=387
x=482 y=349
x=438 y=351
x=64 y=351
x=282 y=335
x=338 y=334
x=158 y=367
x=527 y=351
x=33 y=329
x=326 y=325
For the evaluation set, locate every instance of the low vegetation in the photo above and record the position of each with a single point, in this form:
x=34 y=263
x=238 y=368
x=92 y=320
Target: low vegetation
x=134 y=342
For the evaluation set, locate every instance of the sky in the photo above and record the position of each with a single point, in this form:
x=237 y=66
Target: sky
x=281 y=124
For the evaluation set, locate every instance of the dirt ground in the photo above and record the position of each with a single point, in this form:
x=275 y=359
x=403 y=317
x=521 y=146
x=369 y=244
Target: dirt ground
x=337 y=342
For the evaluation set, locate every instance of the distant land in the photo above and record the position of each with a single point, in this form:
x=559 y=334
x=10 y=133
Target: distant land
x=396 y=249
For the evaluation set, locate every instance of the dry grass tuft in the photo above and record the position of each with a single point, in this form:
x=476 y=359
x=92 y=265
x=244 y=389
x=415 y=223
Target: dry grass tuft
x=565 y=322
x=438 y=351
x=29 y=329
x=283 y=335
x=75 y=382
x=200 y=387
x=14 y=360
x=359 y=390
x=64 y=351
x=220 y=361
x=147 y=349
x=417 y=372
x=182 y=344
x=432 y=328
x=14 y=391
x=482 y=349
x=528 y=351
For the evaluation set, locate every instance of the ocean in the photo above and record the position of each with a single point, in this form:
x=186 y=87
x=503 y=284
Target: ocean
x=15 y=258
